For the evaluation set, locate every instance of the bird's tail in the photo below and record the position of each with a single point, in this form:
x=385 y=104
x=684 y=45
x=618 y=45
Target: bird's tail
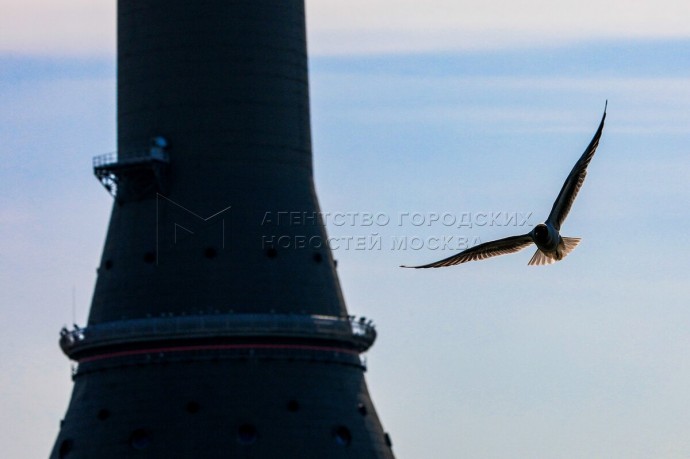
x=566 y=246
x=540 y=258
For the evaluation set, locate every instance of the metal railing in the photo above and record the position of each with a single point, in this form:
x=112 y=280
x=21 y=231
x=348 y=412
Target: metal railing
x=357 y=332
x=112 y=159
x=104 y=160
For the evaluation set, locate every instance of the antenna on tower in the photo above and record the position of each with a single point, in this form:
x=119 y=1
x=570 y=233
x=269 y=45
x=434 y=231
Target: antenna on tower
x=74 y=304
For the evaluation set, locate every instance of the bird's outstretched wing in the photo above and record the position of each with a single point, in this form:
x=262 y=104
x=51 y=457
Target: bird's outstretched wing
x=575 y=179
x=479 y=252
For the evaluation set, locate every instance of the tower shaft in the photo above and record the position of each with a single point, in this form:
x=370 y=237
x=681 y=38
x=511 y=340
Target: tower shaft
x=217 y=326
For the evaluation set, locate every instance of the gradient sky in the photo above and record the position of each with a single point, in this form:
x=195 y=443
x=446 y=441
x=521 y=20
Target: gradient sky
x=440 y=107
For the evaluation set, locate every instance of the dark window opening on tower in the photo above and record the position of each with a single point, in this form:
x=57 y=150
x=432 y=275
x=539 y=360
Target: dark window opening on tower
x=140 y=439
x=293 y=405
x=66 y=447
x=210 y=253
x=193 y=407
x=387 y=439
x=108 y=264
x=342 y=436
x=362 y=409
x=149 y=257
x=246 y=434
x=318 y=257
x=103 y=414
x=271 y=253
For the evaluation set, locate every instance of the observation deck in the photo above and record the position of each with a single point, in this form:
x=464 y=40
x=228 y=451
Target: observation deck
x=222 y=331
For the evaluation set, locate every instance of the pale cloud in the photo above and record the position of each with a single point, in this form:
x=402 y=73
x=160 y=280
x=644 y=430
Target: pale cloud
x=57 y=28
x=86 y=27
x=360 y=26
x=642 y=104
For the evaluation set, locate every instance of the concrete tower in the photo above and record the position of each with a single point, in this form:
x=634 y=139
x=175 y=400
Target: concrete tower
x=217 y=327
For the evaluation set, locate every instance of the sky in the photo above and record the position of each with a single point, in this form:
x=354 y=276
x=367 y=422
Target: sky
x=423 y=114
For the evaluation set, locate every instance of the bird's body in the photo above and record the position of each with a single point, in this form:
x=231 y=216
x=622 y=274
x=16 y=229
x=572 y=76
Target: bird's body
x=551 y=246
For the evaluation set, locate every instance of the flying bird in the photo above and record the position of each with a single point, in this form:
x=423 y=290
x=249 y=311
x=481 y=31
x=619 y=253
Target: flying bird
x=551 y=246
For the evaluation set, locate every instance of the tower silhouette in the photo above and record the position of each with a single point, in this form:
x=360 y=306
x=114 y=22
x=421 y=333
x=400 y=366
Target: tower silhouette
x=217 y=327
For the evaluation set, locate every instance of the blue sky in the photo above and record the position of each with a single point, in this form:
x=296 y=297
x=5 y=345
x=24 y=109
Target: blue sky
x=415 y=110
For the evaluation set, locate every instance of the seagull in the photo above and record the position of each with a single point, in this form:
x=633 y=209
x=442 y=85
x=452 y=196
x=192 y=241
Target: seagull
x=551 y=246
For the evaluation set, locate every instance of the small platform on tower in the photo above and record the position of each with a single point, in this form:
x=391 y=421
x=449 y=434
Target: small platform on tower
x=135 y=174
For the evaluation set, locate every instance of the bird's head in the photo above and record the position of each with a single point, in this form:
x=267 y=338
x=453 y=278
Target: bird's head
x=541 y=233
